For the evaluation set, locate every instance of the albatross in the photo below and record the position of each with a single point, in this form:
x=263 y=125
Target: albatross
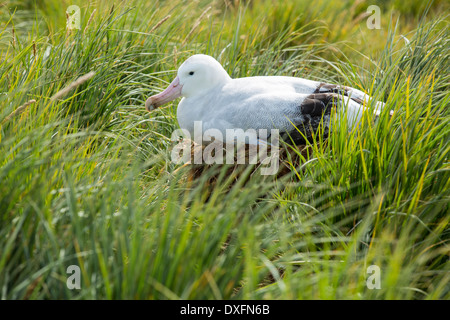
x=294 y=106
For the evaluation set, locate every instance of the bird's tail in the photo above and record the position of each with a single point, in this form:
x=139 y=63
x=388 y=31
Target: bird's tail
x=355 y=105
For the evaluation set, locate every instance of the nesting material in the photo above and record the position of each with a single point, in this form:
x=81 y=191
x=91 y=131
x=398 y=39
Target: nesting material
x=265 y=160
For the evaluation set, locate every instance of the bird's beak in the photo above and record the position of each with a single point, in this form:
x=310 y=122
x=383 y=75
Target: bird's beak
x=172 y=92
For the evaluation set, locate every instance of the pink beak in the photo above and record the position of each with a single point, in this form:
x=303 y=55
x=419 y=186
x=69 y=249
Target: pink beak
x=172 y=92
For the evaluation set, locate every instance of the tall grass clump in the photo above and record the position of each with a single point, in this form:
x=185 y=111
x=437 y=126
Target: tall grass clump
x=86 y=177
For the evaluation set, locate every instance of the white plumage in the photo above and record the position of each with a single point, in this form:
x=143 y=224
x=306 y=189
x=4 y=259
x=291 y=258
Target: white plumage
x=289 y=104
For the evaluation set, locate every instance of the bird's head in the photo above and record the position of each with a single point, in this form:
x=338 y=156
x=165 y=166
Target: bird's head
x=197 y=74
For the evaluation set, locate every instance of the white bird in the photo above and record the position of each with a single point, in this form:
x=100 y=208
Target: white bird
x=288 y=104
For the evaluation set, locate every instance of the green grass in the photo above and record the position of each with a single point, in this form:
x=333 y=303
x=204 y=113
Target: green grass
x=86 y=177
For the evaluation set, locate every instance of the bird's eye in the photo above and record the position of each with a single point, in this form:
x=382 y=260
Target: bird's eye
x=191 y=73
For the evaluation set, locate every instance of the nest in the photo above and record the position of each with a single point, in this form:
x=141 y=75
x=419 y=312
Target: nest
x=265 y=160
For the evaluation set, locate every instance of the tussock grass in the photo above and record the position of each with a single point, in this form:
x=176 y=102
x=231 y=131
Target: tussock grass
x=86 y=177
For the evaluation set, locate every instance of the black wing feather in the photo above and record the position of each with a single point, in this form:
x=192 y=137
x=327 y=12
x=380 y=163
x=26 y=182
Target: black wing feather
x=313 y=110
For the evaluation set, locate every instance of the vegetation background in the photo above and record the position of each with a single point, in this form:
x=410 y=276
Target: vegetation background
x=86 y=177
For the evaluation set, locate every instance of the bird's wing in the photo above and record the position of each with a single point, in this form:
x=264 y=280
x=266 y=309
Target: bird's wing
x=287 y=104
x=299 y=116
x=354 y=94
x=315 y=112
x=286 y=111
